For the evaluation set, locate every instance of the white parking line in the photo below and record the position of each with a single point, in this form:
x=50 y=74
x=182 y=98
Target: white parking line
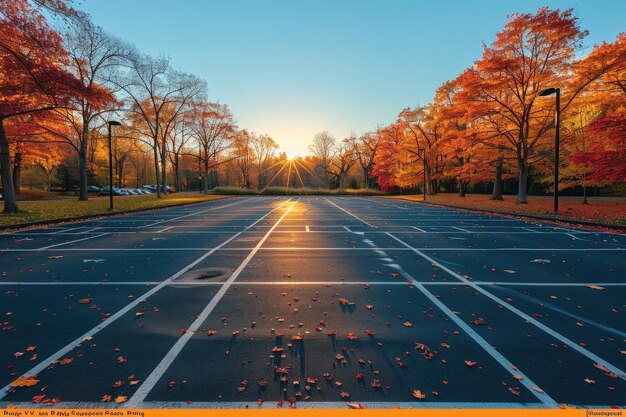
x=351 y=214
x=418 y=229
x=361 y=283
x=461 y=229
x=209 y=405
x=165 y=229
x=64 y=350
x=519 y=313
x=192 y=214
x=156 y=374
x=497 y=356
x=72 y=241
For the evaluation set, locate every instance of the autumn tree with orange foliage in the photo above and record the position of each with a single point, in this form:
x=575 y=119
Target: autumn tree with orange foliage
x=33 y=72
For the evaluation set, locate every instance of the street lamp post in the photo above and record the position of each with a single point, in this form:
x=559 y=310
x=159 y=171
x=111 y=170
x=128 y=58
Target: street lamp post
x=111 y=123
x=557 y=126
x=423 y=153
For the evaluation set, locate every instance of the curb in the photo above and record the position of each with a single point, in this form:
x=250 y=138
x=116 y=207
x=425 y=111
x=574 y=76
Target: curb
x=21 y=226
x=525 y=216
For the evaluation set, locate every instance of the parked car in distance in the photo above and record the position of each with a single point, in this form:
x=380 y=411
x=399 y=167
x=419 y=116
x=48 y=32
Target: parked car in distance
x=93 y=189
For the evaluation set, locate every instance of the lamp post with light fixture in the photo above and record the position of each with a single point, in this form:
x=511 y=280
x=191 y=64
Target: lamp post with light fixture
x=557 y=125
x=111 y=123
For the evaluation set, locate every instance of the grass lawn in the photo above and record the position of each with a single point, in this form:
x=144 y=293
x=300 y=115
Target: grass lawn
x=33 y=211
x=598 y=211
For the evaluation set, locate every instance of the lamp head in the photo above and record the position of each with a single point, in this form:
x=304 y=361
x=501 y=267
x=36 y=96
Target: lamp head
x=114 y=123
x=548 y=92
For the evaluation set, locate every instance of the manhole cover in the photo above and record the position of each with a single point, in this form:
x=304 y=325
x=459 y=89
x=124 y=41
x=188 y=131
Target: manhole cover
x=205 y=275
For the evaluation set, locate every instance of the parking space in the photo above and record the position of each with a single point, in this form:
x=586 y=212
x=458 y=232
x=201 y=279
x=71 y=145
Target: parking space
x=313 y=302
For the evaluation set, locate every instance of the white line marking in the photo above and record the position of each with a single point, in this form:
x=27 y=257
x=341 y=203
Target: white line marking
x=191 y=214
x=461 y=229
x=165 y=229
x=417 y=228
x=88 y=230
x=347 y=229
x=520 y=313
x=63 y=230
x=154 y=377
x=504 y=362
x=292 y=248
x=271 y=405
x=64 y=350
x=72 y=241
x=531 y=230
x=307 y=228
x=445 y=283
x=346 y=211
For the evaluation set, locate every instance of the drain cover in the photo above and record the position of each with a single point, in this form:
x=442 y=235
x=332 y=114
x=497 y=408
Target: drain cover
x=205 y=274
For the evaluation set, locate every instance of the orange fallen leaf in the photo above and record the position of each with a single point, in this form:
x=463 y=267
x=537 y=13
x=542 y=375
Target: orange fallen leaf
x=121 y=399
x=470 y=363
x=518 y=377
x=211 y=332
x=85 y=300
x=106 y=399
x=356 y=406
x=589 y=381
x=345 y=301
x=418 y=394
x=25 y=381
x=595 y=287
x=408 y=324
x=510 y=271
x=535 y=388
x=66 y=361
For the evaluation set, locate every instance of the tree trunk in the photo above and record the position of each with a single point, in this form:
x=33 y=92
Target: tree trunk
x=522 y=185
x=156 y=169
x=177 y=172
x=461 y=188
x=10 y=199
x=164 y=170
x=17 y=173
x=205 y=177
x=82 y=162
x=585 y=195
x=496 y=194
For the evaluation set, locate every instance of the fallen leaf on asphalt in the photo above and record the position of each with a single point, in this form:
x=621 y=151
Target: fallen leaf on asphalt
x=470 y=363
x=85 y=300
x=514 y=391
x=117 y=384
x=418 y=394
x=510 y=271
x=408 y=324
x=211 y=332
x=352 y=336
x=356 y=406
x=375 y=383
x=535 y=388
x=345 y=301
x=140 y=313
x=344 y=394
x=121 y=359
x=55 y=257
x=444 y=345
x=595 y=287
x=121 y=399
x=518 y=377
x=589 y=381
x=106 y=399
x=25 y=381
x=38 y=398
x=369 y=307
x=66 y=361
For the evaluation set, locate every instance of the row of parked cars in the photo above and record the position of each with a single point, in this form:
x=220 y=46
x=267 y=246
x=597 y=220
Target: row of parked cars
x=146 y=189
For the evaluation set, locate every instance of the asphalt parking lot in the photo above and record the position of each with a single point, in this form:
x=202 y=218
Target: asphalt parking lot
x=312 y=302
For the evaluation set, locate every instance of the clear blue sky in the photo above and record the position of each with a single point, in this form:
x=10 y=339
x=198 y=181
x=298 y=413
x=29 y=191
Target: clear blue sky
x=292 y=68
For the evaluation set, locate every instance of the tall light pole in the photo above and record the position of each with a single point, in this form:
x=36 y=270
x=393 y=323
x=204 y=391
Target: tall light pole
x=111 y=123
x=423 y=153
x=557 y=126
